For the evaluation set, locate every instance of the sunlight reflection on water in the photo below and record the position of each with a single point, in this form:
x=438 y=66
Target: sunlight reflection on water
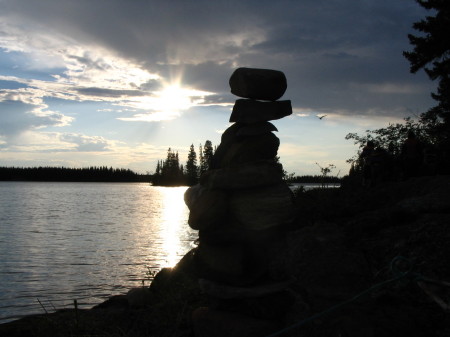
x=84 y=241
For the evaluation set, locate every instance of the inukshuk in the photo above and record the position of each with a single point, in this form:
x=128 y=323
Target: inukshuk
x=242 y=202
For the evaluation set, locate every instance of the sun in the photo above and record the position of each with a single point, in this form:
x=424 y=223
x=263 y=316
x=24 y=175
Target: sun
x=168 y=103
x=173 y=99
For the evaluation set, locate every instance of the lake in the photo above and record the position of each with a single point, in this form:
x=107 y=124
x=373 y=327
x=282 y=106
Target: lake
x=85 y=241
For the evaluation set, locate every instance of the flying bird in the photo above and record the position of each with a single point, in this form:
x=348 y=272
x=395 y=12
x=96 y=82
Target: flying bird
x=320 y=117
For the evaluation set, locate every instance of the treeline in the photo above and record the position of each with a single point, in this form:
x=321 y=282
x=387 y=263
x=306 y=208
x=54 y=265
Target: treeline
x=90 y=174
x=170 y=172
x=316 y=179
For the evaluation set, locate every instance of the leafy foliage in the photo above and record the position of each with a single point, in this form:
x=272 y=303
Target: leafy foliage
x=390 y=138
x=431 y=52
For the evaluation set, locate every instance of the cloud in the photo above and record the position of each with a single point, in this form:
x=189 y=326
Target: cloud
x=151 y=116
x=17 y=117
x=101 y=92
x=341 y=58
x=336 y=55
x=86 y=143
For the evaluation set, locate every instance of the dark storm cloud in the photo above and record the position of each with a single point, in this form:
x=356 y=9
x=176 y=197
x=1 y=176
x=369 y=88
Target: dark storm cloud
x=338 y=55
x=141 y=29
x=208 y=76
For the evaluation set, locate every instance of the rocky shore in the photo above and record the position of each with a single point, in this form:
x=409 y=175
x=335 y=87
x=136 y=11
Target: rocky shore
x=341 y=243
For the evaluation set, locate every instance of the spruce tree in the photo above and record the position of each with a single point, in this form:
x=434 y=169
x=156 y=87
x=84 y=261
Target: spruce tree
x=191 y=167
x=208 y=153
x=201 y=160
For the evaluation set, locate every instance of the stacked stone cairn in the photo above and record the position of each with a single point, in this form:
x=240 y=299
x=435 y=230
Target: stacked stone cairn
x=240 y=208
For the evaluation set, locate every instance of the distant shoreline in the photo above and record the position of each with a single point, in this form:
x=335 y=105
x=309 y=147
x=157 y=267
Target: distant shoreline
x=111 y=175
x=62 y=174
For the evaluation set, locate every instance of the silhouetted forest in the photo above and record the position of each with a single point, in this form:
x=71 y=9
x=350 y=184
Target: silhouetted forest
x=316 y=179
x=90 y=174
x=170 y=172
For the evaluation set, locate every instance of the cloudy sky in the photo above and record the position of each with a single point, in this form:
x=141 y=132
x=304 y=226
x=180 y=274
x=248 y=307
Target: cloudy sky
x=118 y=82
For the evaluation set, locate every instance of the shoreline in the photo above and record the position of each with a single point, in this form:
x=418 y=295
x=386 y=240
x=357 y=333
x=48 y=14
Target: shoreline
x=340 y=244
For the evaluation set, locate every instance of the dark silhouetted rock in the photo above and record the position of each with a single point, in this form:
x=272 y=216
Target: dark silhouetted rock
x=139 y=297
x=250 y=149
x=207 y=207
x=262 y=84
x=208 y=322
x=229 y=135
x=239 y=132
x=248 y=175
x=251 y=111
x=231 y=231
x=225 y=263
x=220 y=290
x=238 y=264
x=264 y=207
x=256 y=129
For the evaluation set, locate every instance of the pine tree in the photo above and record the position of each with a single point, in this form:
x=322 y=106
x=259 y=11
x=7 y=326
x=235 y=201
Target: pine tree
x=206 y=158
x=191 y=167
x=169 y=172
x=200 y=165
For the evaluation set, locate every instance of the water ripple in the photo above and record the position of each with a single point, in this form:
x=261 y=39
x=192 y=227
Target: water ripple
x=84 y=241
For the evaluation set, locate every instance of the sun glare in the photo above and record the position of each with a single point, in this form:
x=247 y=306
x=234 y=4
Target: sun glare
x=173 y=98
x=166 y=104
x=174 y=217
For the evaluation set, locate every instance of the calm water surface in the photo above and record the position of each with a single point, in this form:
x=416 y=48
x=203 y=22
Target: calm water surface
x=84 y=241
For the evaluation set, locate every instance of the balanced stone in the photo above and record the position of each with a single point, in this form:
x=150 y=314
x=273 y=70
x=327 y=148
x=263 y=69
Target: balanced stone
x=220 y=290
x=251 y=111
x=250 y=149
x=208 y=208
x=264 y=207
x=248 y=175
x=229 y=135
x=236 y=263
x=239 y=208
x=262 y=84
x=256 y=129
x=238 y=130
x=231 y=231
x=224 y=262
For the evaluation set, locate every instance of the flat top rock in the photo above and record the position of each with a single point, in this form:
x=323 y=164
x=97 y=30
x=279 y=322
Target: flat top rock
x=261 y=84
x=251 y=111
x=256 y=129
